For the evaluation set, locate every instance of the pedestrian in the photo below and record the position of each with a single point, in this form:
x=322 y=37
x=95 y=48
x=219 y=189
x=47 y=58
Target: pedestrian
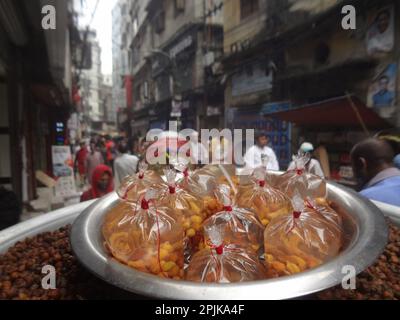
x=102 y=183
x=109 y=151
x=93 y=159
x=124 y=164
x=312 y=166
x=373 y=167
x=198 y=153
x=80 y=162
x=260 y=154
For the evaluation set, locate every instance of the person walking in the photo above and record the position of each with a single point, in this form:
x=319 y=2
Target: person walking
x=80 y=162
x=124 y=164
x=102 y=183
x=93 y=159
x=373 y=167
x=261 y=155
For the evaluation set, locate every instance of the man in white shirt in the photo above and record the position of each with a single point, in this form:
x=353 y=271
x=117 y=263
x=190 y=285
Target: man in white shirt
x=260 y=154
x=124 y=165
x=313 y=166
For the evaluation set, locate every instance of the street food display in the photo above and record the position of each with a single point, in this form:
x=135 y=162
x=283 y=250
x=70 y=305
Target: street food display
x=300 y=241
x=147 y=237
x=224 y=262
x=266 y=201
x=300 y=180
x=210 y=225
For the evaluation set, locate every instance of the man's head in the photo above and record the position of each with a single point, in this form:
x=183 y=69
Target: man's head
x=92 y=146
x=104 y=181
x=306 y=147
x=82 y=144
x=383 y=83
x=262 y=139
x=383 y=20
x=123 y=147
x=369 y=157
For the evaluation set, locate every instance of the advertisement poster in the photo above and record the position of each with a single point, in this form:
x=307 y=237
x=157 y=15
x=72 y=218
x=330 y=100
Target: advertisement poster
x=380 y=34
x=63 y=171
x=382 y=91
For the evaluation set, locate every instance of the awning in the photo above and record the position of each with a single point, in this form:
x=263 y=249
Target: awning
x=335 y=112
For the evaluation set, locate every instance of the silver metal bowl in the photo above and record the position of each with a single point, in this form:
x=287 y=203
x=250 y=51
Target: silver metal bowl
x=366 y=234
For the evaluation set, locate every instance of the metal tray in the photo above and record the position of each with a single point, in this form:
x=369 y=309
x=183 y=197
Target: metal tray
x=365 y=227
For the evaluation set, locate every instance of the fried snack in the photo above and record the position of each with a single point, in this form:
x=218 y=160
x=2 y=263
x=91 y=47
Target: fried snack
x=322 y=207
x=303 y=240
x=188 y=207
x=133 y=187
x=260 y=197
x=223 y=262
x=147 y=238
x=240 y=226
x=299 y=180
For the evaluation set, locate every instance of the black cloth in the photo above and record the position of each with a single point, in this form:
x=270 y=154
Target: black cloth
x=10 y=208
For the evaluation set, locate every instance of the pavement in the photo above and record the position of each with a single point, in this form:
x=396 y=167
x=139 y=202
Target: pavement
x=48 y=202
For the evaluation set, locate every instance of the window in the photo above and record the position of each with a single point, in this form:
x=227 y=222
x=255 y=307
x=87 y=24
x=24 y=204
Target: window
x=160 y=22
x=146 y=90
x=179 y=6
x=247 y=8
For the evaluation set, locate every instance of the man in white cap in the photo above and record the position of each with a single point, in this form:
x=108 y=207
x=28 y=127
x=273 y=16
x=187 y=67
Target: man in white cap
x=313 y=166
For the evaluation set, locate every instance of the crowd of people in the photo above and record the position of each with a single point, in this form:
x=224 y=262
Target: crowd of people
x=106 y=162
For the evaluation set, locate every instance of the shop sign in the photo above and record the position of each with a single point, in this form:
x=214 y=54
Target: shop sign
x=252 y=78
x=181 y=46
x=63 y=171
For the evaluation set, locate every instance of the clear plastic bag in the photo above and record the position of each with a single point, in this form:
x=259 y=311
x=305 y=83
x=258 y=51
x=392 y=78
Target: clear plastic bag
x=303 y=240
x=134 y=187
x=299 y=180
x=224 y=262
x=240 y=226
x=266 y=201
x=147 y=237
x=187 y=206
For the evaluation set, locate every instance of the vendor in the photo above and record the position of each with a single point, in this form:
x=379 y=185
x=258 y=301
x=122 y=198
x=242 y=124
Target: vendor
x=379 y=179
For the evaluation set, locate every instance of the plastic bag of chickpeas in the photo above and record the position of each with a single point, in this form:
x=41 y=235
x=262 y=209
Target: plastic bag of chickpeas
x=134 y=187
x=240 y=226
x=224 y=262
x=188 y=207
x=301 y=181
x=148 y=238
x=259 y=196
x=300 y=241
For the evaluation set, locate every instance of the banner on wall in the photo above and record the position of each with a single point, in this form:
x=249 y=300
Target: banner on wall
x=382 y=91
x=380 y=34
x=63 y=171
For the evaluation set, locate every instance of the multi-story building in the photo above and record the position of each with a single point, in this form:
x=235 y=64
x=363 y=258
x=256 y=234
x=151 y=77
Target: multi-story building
x=120 y=20
x=299 y=66
x=106 y=103
x=91 y=80
x=35 y=90
x=174 y=57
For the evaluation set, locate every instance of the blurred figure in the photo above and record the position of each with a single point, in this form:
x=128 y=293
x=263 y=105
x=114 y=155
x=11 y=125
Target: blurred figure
x=93 y=159
x=260 y=154
x=80 y=162
x=372 y=161
x=124 y=164
x=313 y=166
x=198 y=152
x=109 y=151
x=383 y=97
x=102 y=183
x=10 y=208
